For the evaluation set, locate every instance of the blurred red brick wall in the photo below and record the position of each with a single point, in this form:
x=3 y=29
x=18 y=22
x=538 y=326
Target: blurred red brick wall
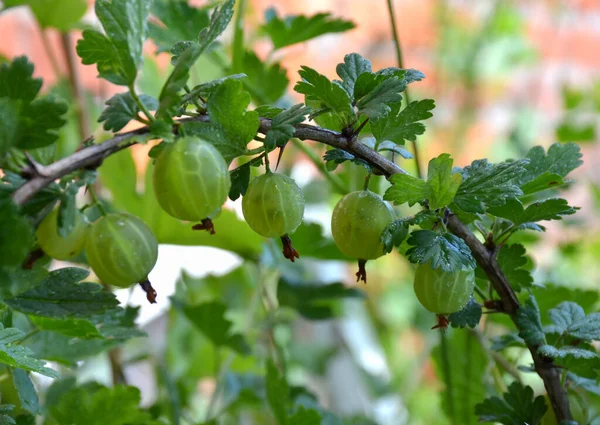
x=564 y=35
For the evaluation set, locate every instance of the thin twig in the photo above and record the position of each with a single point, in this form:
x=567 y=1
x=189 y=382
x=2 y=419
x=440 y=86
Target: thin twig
x=80 y=107
x=400 y=59
x=50 y=52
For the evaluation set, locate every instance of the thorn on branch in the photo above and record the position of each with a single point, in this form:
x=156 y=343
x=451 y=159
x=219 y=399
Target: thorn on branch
x=356 y=132
x=33 y=168
x=489 y=242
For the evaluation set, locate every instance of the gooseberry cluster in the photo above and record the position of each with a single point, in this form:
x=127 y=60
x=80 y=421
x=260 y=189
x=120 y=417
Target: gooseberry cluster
x=192 y=182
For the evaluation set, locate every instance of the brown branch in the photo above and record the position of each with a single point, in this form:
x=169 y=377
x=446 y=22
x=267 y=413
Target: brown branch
x=485 y=256
x=545 y=368
x=93 y=155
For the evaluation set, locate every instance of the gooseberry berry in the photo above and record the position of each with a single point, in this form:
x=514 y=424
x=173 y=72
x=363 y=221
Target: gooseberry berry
x=191 y=180
x=443 y=292
x=357 y=222
x=121 y=249
x=56 y=246
x=273 y=206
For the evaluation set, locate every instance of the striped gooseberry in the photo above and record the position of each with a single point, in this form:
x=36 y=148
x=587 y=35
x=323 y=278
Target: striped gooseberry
x=56 y=246
x=191 y=181
x=273 y=206
x=122 y=250
x=357 y=222
x=443 y=292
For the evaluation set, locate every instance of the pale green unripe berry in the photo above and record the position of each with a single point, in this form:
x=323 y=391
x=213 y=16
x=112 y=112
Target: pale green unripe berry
x=357 y=222
x=191 y=180
x=55 y=245
x=273 y=205
x=442 y=292
x=121 y=249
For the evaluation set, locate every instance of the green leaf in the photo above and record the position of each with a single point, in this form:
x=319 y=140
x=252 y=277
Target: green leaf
x=517 y=407
x=544 y=181
x=445 y=251
x=231 y=126
x=469 y=316
x=282 y=126
x=561 y=159
x=314 y=301
x=277 y=393
x=406 y=189
x=122 y=108
x=37 y=119
x=118 y=54
x=209 y=318
x=304 y=416
x=397 y=231
x=486 y=184
x=59 y=14
x=442 y=183
x=93 y=404
x=5 y=409
x=569 y=318
x=219 y=19
x=16 y=234
x=180 y=21
x=583 y=362
x=317 y=87
x=208 y=88
x=79 y=328
x=26 y=391
x=115 y=327
x=17 y=82
x=266 y=83
x=60 y=296
x=169 y=100
x=463 y=386
x=555 y=294
x=18 y=356
x=354 y=65
x=240 y=178
x=296 y=29
x=9 y=124
x=393 y=235
x=549 y=209
x=439 y=190
x=376 y=102
x=338 y=156
x=40 y=121
x=18 y=280
x=398 y=126
x=513 y=262
x=529 y=322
